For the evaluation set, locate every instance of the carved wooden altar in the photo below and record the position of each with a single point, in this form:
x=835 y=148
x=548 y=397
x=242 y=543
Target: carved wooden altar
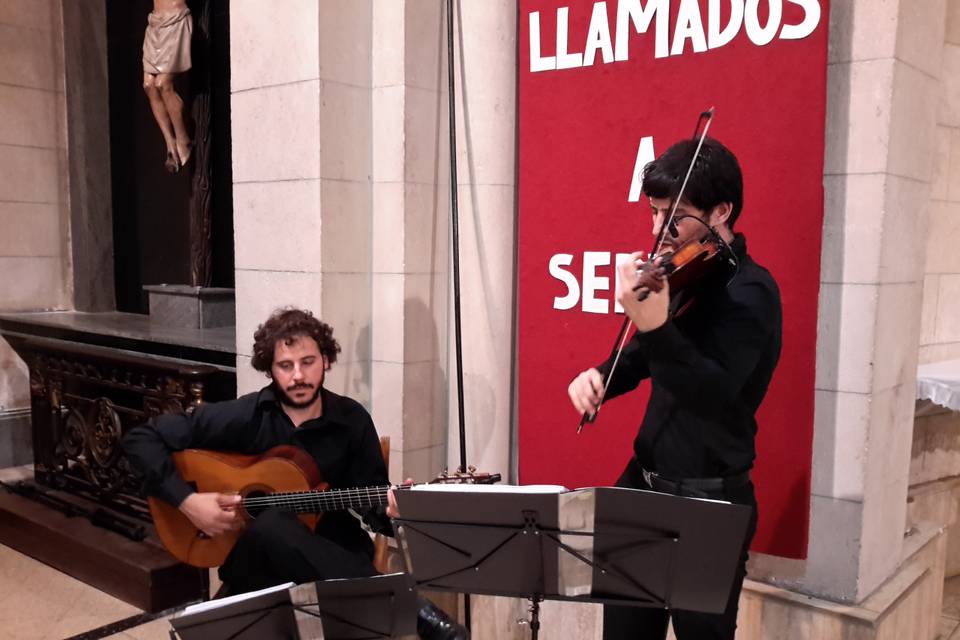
x=85 y=398
x=87 y=390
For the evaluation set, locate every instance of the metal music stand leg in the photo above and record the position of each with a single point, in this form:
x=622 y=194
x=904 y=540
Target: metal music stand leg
x=535 y=617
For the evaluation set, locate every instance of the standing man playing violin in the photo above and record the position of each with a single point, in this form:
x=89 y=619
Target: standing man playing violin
x=709 y=365
x=295 y=350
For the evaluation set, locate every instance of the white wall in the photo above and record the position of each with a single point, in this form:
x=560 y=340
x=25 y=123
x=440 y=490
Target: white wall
x=34 y=262
x=940 y=328
x=301 y=168
x=882 y=89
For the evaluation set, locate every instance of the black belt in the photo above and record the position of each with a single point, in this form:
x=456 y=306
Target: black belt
x=693 y=486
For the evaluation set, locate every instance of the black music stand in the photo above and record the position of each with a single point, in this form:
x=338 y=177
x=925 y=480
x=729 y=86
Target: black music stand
x=605 y=545
x=343 y=609
x=358 y=608
x=261 y=614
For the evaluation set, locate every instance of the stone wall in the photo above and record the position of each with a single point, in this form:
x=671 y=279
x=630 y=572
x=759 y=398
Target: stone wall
x=411 y=229
x=294 y=111
x=301 y=162
x=342 y=205
x=34 y=225
x=935 y=463
x=882 y=88
x=940 y=328
x=33 y=259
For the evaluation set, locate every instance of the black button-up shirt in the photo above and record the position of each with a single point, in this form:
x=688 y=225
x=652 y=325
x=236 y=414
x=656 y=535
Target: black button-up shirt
x=709 y=370
x=343 y=442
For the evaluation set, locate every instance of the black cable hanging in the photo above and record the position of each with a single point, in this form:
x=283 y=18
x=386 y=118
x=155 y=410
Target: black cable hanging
x=454 y=212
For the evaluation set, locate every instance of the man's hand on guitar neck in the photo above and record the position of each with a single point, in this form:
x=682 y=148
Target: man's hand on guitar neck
x=212 y=513
x=393 y=510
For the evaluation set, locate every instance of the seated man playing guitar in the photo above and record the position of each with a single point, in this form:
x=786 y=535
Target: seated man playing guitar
x=294 y=349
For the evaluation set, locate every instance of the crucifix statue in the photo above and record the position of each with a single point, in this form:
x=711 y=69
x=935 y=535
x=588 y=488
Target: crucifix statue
x=166 y=53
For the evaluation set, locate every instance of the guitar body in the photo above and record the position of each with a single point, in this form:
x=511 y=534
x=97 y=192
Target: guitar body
x=283 y=468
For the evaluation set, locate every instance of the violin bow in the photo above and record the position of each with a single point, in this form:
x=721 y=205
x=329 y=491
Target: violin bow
x=705 y=118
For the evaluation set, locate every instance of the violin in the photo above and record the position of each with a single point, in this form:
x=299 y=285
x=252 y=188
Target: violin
x=682 y=268
x=691 y=263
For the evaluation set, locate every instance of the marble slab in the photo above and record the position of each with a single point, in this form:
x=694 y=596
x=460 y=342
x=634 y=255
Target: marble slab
x=129 y=331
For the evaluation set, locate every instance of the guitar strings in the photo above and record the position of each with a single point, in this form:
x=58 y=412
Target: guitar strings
x=329 y=500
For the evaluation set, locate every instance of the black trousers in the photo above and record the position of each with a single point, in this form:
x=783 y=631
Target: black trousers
x=278 y=548
x=643 y=623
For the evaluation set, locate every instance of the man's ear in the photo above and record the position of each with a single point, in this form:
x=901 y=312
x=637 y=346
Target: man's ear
x=326 y=363
x=721 y=213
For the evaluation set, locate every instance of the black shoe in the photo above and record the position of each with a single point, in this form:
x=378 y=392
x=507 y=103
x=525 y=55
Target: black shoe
x=434 y=624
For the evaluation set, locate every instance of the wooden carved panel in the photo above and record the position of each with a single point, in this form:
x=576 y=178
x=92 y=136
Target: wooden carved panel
x=85 y=398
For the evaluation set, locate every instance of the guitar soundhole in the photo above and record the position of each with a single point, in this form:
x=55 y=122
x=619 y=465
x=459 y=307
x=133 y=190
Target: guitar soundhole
x=255 y=509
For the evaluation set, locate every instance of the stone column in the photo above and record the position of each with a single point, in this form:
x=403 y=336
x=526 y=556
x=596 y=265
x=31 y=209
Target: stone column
x=88 y=142
x=33 y=256
x=345 y=188
x=485 y=37
x=410 y=238
x=935 y=467
x=940 y=337
x=415 y=395
x=301 y=165
x=884 y=64
x=34 y=221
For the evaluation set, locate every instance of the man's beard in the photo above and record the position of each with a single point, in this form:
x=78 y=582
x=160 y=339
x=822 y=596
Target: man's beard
x=285 y=398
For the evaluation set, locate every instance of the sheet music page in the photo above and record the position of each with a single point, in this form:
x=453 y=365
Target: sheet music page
x=240 y=597
x=649 y=491
x=492 y=488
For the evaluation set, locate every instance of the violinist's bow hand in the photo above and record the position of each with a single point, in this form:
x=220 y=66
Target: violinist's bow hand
x=586 y=391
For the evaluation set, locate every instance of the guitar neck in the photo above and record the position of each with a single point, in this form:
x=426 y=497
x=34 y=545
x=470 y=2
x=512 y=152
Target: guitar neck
x=320 y=501
x=358 y=498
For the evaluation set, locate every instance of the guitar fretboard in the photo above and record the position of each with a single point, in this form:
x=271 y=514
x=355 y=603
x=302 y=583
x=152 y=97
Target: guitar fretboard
x=320 y=501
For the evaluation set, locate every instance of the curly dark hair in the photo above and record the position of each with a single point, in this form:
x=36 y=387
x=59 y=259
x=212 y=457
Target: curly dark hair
x=287 y=325
x=716 y=177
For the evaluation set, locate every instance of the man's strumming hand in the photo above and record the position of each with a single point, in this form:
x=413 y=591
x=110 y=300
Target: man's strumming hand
x=212 y=513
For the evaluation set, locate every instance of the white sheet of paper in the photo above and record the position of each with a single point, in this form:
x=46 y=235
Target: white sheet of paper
x=240 y=597
x=492 y=488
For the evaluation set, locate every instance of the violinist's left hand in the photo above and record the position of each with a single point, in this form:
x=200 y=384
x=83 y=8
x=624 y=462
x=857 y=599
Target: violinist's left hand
x=652 y=312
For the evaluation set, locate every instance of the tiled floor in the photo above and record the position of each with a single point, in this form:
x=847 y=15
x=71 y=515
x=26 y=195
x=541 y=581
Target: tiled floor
x=950 y=621
x=38 y=602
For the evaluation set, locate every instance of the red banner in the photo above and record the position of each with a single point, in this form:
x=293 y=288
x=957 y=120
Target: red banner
x=604 y=88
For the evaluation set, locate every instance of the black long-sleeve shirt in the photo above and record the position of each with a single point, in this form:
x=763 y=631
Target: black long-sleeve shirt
x=709 y=370
x=343 y=442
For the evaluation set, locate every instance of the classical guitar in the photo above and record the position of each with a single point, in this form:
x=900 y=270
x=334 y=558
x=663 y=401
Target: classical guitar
x=284 y=477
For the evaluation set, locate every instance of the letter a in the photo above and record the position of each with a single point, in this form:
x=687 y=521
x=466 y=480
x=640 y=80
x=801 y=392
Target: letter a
x=644 y=156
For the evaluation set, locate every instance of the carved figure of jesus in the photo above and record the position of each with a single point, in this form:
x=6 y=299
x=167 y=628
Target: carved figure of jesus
x=166 y=53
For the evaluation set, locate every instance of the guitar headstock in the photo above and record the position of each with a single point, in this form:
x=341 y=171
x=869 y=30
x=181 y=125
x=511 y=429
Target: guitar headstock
x=470 y=476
